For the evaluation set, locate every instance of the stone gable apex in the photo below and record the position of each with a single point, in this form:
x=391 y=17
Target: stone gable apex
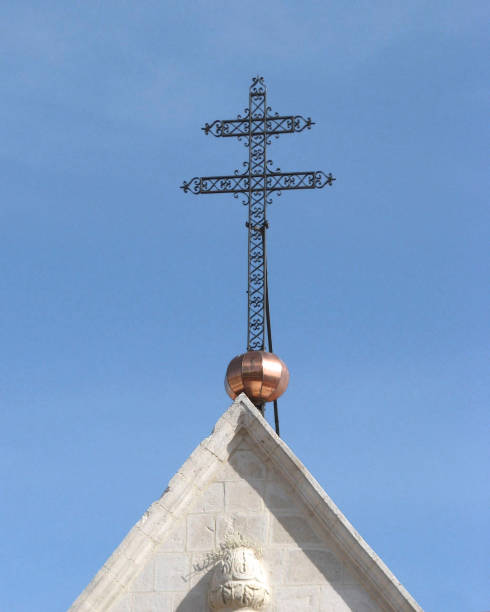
x=192 y=480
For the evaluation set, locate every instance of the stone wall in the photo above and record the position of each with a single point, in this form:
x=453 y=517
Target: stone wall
x=306 y=570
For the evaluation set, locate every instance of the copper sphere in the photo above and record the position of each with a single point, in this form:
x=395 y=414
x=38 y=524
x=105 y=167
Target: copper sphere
x=262 y=376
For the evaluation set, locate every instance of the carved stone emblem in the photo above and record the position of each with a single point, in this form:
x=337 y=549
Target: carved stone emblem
x=239 y=580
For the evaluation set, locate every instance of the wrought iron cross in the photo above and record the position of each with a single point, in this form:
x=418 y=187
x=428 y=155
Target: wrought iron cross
x=257 y=182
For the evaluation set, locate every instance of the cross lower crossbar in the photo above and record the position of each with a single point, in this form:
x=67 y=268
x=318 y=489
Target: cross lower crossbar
x=245 y=183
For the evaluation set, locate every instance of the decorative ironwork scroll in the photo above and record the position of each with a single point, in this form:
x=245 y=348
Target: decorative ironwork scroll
x=257 y=181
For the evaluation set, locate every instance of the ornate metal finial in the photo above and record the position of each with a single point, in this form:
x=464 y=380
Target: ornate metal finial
x=257 y=182
x=262 y=376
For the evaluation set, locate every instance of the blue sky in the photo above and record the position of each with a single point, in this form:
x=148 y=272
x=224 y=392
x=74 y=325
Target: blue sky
x=123 y=299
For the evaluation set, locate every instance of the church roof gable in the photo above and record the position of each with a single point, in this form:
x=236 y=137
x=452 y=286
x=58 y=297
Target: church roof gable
x=193 y=478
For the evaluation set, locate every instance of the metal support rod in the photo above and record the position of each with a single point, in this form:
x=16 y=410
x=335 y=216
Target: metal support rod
x=269 y=333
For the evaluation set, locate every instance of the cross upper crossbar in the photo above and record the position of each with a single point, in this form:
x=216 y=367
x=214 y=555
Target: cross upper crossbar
x=274 y=126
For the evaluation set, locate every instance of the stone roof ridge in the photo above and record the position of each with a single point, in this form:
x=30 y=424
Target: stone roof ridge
x=151 y=530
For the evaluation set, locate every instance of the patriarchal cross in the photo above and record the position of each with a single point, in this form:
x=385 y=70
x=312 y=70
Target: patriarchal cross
x=257 y=182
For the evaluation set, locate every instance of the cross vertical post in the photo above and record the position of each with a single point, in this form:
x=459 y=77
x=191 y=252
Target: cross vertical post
x=257 y=222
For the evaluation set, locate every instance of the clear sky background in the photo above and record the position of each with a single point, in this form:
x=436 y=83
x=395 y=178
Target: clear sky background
x=123 y=299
